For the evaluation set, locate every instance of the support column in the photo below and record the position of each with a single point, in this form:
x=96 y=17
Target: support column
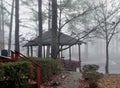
x=48 y=51
x=70 y=53
x=79 y=50
x=31 y=51
x=44 y=51
x=27 y=50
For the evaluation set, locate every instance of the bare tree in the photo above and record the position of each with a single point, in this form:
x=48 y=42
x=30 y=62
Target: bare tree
x=109 y=27
x=63 y=24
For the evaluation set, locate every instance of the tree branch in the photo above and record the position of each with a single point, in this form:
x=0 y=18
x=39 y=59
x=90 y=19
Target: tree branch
x=78 y=40
x=74 y=18
x=113 y=32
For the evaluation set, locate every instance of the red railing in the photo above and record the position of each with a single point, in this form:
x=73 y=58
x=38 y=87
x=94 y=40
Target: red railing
x=15 y=56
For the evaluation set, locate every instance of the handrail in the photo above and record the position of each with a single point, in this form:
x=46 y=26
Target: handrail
x=27 y=58
x=15 y=55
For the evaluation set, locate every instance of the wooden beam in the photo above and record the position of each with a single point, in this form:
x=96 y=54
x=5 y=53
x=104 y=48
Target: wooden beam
x=79 y=52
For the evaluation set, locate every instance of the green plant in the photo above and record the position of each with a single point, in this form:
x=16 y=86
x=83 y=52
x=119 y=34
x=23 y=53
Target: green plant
x=13 y=74
x=111 y=87
x=48 y=66
x=90 y=67
x=91 y=75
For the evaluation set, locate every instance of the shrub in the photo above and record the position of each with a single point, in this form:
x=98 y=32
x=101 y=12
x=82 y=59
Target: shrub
x=49 y=67
x=12 y=74
x=90 y=67
x=91 y=75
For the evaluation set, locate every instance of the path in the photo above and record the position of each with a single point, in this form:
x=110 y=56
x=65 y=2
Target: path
x=71 y=81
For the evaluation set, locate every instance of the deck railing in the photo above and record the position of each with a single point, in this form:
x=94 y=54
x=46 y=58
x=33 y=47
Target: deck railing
x=15 y=56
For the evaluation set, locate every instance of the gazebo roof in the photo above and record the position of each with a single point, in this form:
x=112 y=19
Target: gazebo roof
x=64 y=40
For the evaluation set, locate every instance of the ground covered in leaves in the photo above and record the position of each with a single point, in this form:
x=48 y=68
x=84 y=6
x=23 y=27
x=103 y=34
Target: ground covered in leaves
x=107 y=81
x=57 y=80
x=110 y=81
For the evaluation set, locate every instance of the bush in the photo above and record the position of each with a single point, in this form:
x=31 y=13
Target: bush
x=49 y=67
x=90 y=67
x=12 y=74
x=91 y=75
x=94 y=76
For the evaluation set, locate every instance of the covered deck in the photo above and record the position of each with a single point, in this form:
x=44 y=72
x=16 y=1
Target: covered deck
x=64 y=40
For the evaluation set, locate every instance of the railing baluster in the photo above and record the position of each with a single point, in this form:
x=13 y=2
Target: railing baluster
x=16 y=55
x=38 y=76
x=12 y=55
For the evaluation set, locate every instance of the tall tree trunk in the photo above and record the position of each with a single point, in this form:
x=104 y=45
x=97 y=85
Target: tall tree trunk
x=17 y=47
x=1 y=26
x=40 y=28
x=49 y=26
x=2 y=23
x=54 y=45
x=0 y=16
x=10 y=31
x=59 y=29
x=107 y=58
x=60 y=16
x=49 y=15
x=107 y=45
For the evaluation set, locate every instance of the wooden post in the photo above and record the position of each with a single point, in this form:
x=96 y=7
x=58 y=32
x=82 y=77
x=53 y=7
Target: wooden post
x=70 y=53
x=31 y=71
x=79 y=50
x=44 y=51
x=38 y=77
x=12 y=55
x=16 y=56
x=27 y=50
x=31 y=51
x=48 y=51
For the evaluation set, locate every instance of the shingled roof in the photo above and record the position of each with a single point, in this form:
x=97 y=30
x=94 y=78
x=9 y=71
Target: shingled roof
x=64 y=40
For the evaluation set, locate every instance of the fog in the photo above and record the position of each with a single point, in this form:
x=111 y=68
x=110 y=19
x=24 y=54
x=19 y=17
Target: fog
x=94 y=53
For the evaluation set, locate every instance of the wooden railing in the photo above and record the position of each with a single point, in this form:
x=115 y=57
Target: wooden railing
x=15 y=57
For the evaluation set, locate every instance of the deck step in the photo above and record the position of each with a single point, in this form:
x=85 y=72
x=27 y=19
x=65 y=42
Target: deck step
x=5 y=59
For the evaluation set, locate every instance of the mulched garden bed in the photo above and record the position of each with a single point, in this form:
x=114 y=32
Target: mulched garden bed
x=107 y=81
